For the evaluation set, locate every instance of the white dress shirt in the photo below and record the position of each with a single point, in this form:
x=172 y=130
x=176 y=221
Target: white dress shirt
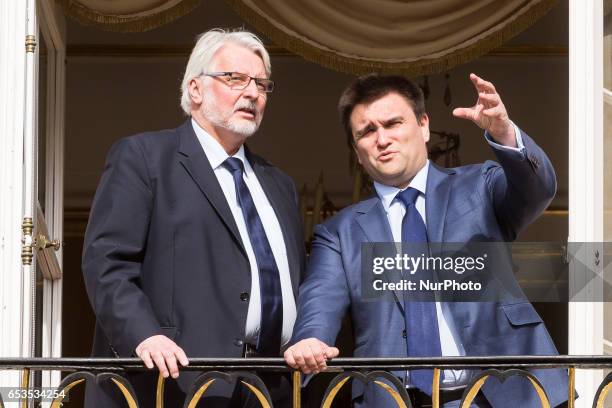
x=449 y=340
x=216 y=155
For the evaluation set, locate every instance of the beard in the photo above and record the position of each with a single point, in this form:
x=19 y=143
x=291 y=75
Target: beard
x=223 y=119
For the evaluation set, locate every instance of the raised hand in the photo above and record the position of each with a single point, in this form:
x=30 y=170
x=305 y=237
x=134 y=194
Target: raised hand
x=489 y=113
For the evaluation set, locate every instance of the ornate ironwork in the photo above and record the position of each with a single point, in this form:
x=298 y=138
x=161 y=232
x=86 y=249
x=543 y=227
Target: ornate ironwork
x=602 y=392
x=243 y=371
x=250 y=380
x=74 y=379
x=476 y=384
x=397 y=391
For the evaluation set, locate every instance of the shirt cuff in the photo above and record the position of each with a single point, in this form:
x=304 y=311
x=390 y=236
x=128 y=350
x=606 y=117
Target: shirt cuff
x=520 y=147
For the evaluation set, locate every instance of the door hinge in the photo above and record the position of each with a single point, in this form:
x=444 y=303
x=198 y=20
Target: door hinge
x=30 y=43
x=26 y=241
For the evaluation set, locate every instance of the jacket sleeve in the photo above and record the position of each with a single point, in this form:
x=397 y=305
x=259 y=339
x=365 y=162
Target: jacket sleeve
x=114 y=248
x=522 y=188
x=324 y=295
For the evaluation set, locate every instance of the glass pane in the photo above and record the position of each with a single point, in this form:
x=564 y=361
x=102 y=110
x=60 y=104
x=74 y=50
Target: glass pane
x=41 y=127
x=42 y=119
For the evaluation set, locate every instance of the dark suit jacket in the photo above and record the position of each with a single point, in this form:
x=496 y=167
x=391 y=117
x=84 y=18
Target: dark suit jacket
x=163 y=255
x=484 y=202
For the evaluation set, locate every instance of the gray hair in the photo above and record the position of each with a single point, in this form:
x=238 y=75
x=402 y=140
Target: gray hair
x=205 y=49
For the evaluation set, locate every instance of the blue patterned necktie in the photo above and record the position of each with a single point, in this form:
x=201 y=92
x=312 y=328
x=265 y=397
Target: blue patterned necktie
x=422 y=332
x=269 y=279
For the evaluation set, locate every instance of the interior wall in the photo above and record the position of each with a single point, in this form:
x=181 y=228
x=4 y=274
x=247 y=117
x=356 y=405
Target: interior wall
x=109 y=97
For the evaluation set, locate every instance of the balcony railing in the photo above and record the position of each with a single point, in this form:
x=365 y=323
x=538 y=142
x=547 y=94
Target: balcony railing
x=82 y=370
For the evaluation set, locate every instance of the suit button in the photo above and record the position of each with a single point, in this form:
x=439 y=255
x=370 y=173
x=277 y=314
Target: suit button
x=238 y=343
x=404 y=334
x=244 y=296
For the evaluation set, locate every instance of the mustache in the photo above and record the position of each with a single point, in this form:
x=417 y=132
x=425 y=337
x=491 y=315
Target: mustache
x=245 y=104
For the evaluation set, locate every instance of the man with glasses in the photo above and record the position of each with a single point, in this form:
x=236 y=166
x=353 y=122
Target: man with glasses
x=194 y=244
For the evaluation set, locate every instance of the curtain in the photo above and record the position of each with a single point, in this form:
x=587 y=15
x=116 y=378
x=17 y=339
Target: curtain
x=127 y=15
x=410 y=37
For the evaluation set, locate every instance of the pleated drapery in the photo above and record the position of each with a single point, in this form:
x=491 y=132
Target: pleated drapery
x=411 y=37
x=127 y=15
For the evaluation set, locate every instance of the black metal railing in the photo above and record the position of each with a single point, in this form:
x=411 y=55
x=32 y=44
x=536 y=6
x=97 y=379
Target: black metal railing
x=82 y=370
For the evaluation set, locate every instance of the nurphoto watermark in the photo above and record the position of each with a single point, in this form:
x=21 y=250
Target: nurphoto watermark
x=487 y=272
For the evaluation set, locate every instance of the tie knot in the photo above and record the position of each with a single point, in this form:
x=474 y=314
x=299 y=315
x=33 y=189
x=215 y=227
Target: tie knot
x=408 y=196
x=234 y=164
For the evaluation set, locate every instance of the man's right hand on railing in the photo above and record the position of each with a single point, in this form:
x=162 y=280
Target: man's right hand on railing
x=164 y=353
x=310 y=355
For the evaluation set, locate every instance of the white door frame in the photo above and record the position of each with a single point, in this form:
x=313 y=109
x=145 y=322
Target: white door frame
x=51 y=26
x=12 y=80
x=19 y=43
x=586 y=154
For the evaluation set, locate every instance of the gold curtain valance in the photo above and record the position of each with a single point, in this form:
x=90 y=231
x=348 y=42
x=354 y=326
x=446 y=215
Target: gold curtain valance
x=412 y=37
x=127 y=15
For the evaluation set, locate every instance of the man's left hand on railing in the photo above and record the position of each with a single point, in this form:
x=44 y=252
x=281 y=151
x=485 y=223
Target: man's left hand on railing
x=162 y=352
x=310 y=355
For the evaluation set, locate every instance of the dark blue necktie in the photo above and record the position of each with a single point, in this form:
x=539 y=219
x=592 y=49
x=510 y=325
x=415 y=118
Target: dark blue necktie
x=269 y=279
x=422 y=332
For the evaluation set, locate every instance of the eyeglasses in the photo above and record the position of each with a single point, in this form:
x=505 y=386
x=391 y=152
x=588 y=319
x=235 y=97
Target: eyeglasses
x=239 y=81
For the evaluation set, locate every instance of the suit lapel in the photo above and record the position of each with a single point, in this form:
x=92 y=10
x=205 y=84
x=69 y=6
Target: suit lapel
x=374 y=223
x=197 y=165
x=439 y=182
x=283 y=214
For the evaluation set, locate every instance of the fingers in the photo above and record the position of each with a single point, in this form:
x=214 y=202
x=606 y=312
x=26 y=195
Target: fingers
x=318 y=355
x=171 y=364
x=489 y=112
x=310 y=355
x=163 y=353
x=182 y=357
x=313 y=356
x=146 y=358
x=466 y=113
x=489 y=99
x=477 y=111
x=290 y=359
x=482 y=85
x=332 y=352
x=160 y=362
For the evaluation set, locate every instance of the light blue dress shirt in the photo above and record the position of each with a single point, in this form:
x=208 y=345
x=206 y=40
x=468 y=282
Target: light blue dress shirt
x=395 y=210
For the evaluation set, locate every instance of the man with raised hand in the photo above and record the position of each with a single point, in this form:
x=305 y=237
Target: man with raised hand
x=418 y=202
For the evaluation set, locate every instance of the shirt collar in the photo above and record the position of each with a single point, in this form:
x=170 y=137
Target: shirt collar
x=215 y=153
x=387 y=193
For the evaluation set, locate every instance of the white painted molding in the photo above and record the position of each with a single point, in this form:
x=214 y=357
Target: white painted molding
x=52 y=32
x=586 y=151
x=12 y=80
x=29 y=180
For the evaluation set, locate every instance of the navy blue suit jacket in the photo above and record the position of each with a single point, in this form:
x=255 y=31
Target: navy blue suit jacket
x=163 y=255
x=483 y=202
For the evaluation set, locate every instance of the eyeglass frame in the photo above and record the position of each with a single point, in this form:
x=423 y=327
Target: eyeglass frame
x=230 y=73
